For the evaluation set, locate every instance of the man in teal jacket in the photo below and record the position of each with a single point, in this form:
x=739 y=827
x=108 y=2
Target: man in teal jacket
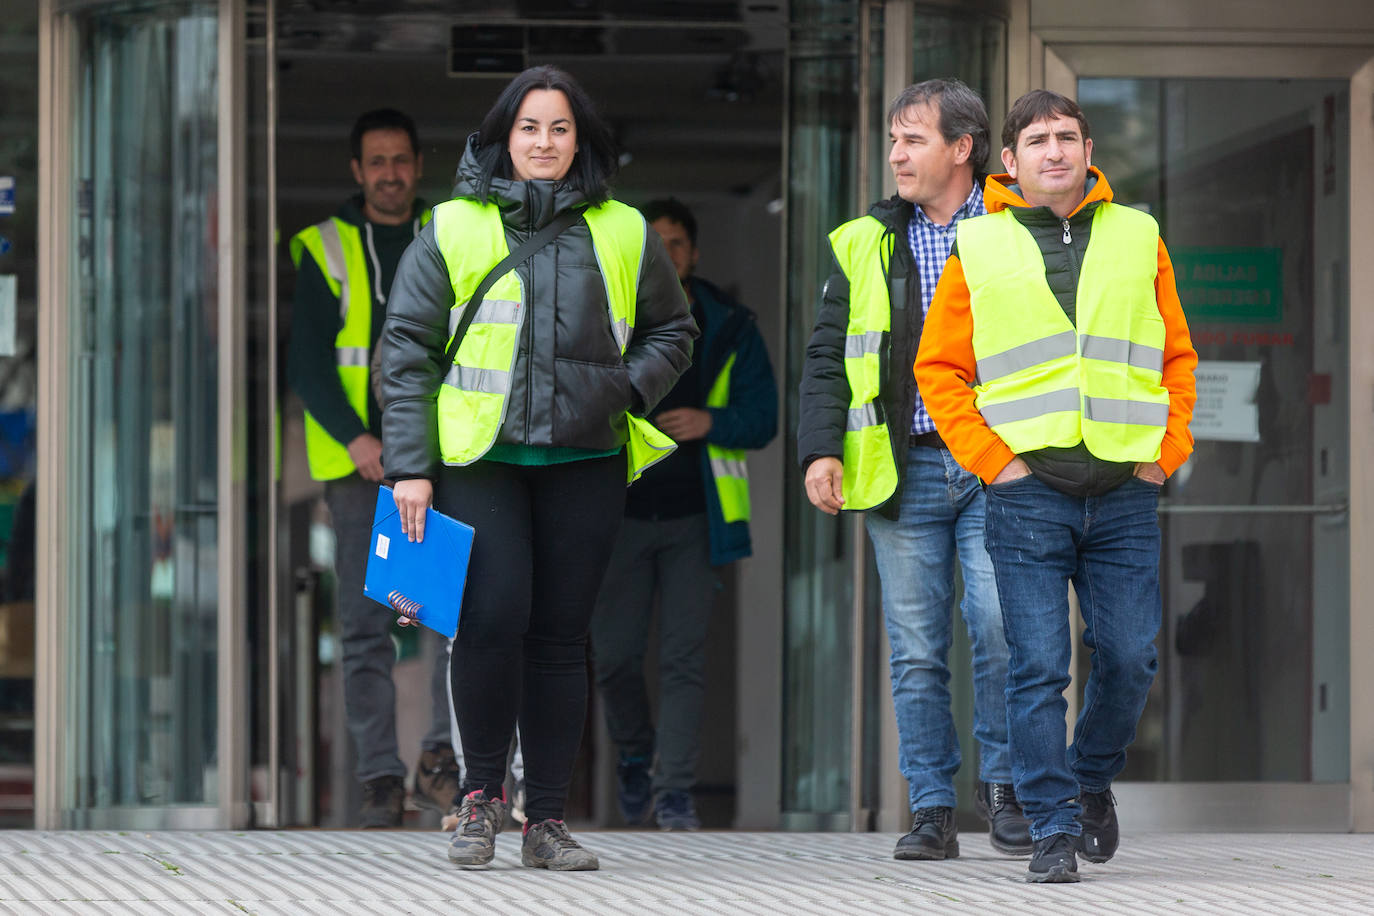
x=687 y=514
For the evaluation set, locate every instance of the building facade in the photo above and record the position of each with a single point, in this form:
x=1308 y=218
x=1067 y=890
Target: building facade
x=161 y=150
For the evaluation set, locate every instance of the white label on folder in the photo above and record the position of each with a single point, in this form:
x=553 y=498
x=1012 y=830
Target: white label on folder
x=383 y=545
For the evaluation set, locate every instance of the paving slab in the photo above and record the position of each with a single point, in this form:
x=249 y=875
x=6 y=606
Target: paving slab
x=394 y=872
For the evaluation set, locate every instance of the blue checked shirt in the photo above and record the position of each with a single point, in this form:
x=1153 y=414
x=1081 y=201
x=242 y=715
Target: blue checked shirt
x=930 y=245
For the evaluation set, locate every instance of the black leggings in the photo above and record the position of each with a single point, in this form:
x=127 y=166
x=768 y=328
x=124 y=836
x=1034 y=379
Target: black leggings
x=542 y=544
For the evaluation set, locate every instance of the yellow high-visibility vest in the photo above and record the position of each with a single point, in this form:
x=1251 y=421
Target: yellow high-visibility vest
x=474 y=394
x=870 y=471
x=1043 y=382
x=336 y=246
x=728 y=467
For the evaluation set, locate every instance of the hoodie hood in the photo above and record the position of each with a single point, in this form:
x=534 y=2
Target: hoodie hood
x=1002 y=192
x=526 y=206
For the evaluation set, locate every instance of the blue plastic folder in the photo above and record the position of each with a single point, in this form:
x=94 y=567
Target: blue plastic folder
x=423 y=581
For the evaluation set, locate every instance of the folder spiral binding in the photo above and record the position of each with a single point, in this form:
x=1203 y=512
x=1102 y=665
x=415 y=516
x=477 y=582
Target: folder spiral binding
x=421 y=580
x=403 y=605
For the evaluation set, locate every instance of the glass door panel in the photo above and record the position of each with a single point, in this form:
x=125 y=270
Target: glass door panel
x=1249 y=181
x=142 y=651
x=823 y=153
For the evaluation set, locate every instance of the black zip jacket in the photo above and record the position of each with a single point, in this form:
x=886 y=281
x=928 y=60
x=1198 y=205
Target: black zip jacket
x=824 y=405
x=570 y=385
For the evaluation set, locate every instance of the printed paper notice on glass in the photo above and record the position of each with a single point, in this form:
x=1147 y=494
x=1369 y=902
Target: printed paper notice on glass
x=8 y=317
x=1226 y=410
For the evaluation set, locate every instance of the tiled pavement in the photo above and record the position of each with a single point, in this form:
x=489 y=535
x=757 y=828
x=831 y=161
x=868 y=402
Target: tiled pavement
x=294 y=872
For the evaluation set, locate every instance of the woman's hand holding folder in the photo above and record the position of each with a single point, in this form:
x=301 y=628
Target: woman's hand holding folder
x=413 y=497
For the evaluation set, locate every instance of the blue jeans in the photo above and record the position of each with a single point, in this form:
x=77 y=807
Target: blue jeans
x=941 y=515
x=1108 y=546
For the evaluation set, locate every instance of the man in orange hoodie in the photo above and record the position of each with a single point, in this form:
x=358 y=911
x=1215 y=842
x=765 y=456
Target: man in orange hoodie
x=1057 y=366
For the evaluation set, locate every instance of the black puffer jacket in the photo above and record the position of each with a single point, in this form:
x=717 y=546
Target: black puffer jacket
x=824 y=407
x=570 y=385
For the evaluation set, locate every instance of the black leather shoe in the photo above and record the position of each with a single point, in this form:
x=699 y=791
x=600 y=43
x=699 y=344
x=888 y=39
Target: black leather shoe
x=1053 y=861
x=1101 y=835
x=933 y=836
x=1009 y=829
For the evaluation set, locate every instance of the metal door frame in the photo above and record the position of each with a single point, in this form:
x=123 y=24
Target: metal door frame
x=58 y=61
x=1056 y=58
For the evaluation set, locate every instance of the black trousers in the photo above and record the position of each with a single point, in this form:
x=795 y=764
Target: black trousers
x=543 y=541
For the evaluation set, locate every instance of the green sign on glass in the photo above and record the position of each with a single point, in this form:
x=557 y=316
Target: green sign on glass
x=1230 y=284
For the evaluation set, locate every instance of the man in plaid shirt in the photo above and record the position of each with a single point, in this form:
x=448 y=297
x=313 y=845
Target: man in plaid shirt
x=866 y=441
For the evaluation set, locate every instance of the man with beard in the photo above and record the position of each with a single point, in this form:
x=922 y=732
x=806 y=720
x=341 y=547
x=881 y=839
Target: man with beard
x=345 y=267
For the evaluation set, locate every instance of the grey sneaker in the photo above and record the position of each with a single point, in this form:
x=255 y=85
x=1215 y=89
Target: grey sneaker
x=479 y=820
x=549 y=845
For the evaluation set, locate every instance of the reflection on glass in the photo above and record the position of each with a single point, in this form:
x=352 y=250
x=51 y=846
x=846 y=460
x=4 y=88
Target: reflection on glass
x=1249 y=181
x=966 y=46
x=141 y=652
x=821 y=174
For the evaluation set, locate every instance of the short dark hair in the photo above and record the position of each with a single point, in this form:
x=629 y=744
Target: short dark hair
x=382 y=119
x=1039 y=105
x=961 y=112
x=597 y=158
x=672 y=209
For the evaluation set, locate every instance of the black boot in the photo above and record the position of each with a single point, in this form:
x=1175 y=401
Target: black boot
x=933 y=836
x=1101 y=835
x=384 y=800
x=1009 y=829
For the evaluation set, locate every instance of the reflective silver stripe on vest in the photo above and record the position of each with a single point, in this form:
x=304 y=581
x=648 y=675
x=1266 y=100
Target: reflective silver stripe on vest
x=1135 y=413
x=1116 y=350
x=860 y=417
x=622 y=330
x=351 y=356
x=998 y=365
x=334 y=262
x=857 y=346
x=729 y=467
x=483 y=381
x=1029 y=408
x=491 y=311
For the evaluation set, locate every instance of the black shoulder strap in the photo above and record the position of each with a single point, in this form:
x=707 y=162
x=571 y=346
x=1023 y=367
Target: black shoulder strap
x=531 y=245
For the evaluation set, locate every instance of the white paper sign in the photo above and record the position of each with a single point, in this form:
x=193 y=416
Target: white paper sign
x=8 y=316
x=1226 y=408
x=6 y=195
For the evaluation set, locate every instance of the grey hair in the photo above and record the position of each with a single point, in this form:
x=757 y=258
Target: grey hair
x=961 y=112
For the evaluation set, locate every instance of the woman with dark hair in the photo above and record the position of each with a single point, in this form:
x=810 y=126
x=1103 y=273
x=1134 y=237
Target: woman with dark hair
x=530 y=431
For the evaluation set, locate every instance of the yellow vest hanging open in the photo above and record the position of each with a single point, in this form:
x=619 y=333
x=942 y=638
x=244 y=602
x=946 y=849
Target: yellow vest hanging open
x=336 y=246
x=863 y=249
x=474 y=394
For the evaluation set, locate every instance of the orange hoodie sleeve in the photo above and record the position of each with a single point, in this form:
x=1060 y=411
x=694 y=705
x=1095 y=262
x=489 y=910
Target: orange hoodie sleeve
x=1180 y=359
x=945 y=368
